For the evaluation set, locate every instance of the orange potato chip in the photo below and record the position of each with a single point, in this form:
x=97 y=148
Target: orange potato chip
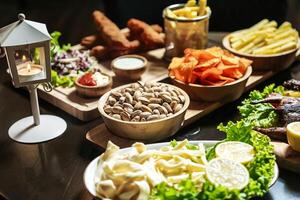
x=212 y=66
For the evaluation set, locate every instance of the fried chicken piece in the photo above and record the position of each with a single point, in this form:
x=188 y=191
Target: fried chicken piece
x=91 y=41
x=112 y=35
x=94 y=40
x=99 y=51
x=149 y=38
x=157 y=28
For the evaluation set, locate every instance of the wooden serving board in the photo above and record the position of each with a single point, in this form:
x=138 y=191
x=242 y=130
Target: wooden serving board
x=286 y=157
x=100 y=135
x=85 y=109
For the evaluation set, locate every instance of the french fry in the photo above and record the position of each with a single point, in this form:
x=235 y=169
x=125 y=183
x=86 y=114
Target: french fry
x=279 y=43
x=271 y=24
x=191 y=3
x=241 y=43
x=265 y=38
x=261 y=44
x=286 y=47
x=189 y=11
x=259 y=25
x=202 y=7
x=285 y=25
x=252 y=44
x=281 y=36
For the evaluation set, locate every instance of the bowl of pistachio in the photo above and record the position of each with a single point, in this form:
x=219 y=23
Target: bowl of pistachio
x=144 y=111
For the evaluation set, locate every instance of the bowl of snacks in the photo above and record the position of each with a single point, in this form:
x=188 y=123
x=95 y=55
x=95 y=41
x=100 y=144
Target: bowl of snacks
x=186 y=26
x=129 y=66
x=211 y=74
x=268 y=46
x=144 y=111
x=93 y=84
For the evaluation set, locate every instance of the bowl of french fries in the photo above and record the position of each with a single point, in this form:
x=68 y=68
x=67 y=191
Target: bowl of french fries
x=186 y=26
x=269 y=46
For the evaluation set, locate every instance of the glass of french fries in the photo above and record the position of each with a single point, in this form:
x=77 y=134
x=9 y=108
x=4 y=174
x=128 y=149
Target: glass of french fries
x=186 y=26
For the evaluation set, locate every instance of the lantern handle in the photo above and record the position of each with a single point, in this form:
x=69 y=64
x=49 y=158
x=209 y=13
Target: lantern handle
x=21 y=16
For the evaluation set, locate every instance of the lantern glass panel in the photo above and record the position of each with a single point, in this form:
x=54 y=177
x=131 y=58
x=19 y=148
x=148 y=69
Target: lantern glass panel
x=30 y=64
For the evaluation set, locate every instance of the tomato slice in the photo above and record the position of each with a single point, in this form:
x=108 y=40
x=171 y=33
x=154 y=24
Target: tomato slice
x=87 y=80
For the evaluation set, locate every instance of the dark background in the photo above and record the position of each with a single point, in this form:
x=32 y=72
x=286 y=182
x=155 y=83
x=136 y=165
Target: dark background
x=73 y=17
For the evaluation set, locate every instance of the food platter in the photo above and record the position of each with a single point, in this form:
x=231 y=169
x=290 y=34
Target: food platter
x=89 y=173
x=85 y=109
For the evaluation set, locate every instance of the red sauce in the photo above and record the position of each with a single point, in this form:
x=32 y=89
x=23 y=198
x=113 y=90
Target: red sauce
x=87 y=80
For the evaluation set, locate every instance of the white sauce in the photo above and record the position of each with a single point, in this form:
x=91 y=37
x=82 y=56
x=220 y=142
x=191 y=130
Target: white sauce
x=129 y=63
x=100 y=79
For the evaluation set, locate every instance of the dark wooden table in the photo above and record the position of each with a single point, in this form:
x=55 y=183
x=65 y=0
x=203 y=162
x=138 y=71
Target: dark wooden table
x=54 y=170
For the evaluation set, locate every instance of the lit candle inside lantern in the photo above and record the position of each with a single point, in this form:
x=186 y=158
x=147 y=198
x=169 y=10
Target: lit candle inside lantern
x=28 y=69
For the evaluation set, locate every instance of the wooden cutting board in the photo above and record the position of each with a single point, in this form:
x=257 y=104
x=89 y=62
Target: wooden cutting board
x=286 y=157
x=100 y=135
x=85 y=109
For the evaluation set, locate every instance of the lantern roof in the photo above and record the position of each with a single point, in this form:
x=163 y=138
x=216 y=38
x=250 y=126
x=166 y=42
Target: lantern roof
x=23 y=32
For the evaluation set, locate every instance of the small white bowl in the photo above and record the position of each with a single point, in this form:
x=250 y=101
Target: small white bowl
x=129 y=66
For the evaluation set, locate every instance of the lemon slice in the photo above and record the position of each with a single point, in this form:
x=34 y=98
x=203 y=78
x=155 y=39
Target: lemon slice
x=227 y=173
x=293 y=135
x=238 y=151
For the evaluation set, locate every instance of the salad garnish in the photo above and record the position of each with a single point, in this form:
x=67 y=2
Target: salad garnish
x=171 y=178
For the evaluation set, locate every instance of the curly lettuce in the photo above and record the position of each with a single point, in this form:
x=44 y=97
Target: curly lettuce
x=64 y=81
x=262 y=114
x=185 y=190
x=260 y=170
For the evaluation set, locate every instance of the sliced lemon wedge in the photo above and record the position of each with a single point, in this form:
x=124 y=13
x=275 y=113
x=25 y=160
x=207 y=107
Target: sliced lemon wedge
x=293 y=135
x=238 y=151
x=227 y=173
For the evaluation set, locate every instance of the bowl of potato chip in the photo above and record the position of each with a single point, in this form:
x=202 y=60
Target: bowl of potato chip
x=212 y=74
x=269 y=46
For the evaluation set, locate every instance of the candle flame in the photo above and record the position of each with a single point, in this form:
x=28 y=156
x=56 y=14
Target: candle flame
x=28 y=67
x=24 y=58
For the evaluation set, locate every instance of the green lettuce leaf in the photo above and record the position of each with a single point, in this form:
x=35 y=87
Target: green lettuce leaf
x=260 y=170
x=55 y=46
x=262 y=114
x=185 y=190
x=64 y=81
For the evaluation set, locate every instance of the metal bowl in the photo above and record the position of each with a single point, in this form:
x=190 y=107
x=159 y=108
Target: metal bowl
x=224 y=93
x=274 y=62
x=148 y=131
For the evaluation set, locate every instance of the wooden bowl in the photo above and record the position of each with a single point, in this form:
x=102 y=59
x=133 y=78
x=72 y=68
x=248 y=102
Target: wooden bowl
x=92 y=91
x=133 y=74
x=274 y=62
x=225 y=93
x=148 y=131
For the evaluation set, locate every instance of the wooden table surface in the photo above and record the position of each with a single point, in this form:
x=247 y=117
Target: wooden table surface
x=54 y=170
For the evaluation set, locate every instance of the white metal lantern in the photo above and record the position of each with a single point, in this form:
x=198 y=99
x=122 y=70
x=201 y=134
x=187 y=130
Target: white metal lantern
x=27 y=48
